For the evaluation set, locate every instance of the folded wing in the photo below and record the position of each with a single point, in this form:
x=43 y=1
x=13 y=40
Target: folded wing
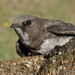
x=62 y=29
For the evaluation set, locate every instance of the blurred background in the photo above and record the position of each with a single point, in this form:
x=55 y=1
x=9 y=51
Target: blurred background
x=9 y=9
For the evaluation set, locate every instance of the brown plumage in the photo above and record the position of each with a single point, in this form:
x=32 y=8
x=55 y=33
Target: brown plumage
x=41 y=36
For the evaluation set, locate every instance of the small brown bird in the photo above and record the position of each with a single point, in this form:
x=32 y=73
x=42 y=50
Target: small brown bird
x=41 y=36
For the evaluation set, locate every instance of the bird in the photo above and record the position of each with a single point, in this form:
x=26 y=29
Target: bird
x=40 y=36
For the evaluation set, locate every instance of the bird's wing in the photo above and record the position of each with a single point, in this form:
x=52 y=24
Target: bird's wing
x=62 y=29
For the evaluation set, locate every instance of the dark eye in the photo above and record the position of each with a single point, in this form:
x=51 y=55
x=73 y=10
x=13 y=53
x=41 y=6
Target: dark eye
x=26 y=23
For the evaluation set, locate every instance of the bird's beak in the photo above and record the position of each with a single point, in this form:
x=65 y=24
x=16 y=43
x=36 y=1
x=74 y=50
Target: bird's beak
x=14 y=25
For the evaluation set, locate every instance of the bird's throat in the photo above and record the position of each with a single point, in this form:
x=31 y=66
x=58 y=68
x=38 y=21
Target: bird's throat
x=23 y=36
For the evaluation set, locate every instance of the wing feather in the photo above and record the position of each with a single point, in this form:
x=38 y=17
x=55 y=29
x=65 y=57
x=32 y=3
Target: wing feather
x=62 y=29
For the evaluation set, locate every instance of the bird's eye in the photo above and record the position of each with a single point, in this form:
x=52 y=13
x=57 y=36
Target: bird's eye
x=26 y=23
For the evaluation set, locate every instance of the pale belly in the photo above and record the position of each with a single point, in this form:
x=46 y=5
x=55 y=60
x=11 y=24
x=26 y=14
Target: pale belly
x=51 y=43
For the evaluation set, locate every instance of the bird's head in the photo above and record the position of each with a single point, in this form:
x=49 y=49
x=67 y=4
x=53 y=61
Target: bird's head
x=27 y=28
